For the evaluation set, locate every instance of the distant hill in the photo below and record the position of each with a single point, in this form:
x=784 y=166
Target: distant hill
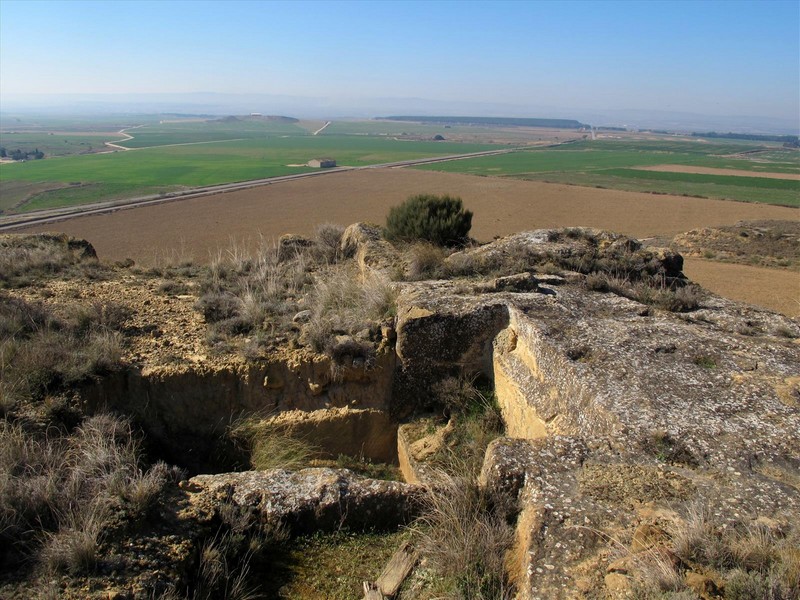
x=503 y=121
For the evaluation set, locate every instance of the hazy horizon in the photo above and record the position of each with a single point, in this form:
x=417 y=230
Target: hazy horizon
x=733 y=65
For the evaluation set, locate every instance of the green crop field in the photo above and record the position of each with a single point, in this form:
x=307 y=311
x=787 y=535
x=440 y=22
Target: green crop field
x=188 y=132
x=613 y=164
x=160 y=170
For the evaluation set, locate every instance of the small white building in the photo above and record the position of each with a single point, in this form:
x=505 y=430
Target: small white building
x=322 y=163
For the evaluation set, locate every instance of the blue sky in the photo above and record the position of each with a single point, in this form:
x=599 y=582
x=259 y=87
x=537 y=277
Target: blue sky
x=731 y=58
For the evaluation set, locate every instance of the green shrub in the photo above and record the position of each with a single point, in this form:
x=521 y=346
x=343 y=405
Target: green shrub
x=440 y=220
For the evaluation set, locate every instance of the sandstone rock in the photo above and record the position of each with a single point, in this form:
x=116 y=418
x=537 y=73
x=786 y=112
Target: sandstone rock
x=617 y=585
x=339 y=431
x=646 y=536
x=290 y=242
x=518 y=283
x=313 y=499
x=429 y=445
x=365 y=242
x=458 y=332
x=302 y=317
x=702 y=585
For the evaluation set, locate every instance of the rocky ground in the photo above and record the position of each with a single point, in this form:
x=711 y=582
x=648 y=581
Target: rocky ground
x=648 y=448
x=774 y=244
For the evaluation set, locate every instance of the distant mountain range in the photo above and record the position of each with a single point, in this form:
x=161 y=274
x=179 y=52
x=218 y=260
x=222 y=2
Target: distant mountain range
x=342 y=108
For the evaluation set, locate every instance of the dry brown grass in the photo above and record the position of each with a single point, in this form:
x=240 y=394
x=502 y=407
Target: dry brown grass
x=270 y=447
x=343 y=302
x=464 y=535
x=425 y=261
x=749 y=560
x=42 y=352
x=650 y=290
x=28 y=260
x=58 y=490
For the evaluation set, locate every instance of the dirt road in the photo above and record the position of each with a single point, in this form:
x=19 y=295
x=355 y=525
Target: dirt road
x=321 y=129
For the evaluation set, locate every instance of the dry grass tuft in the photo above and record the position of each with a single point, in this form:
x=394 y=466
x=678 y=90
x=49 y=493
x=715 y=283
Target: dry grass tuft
x=27 y=259
x=654 y=291
x=59 y=490
x=40 y=352
x=465 y=536
x=74 y=546
x=750 y=560
x=425 y=261
x=342 y=303
x=269 y=446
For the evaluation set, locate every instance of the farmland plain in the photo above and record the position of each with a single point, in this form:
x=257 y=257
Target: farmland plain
x=619 y=165
x=176 y=153
x=56 y=143
x=165 y=169
x=215 y=130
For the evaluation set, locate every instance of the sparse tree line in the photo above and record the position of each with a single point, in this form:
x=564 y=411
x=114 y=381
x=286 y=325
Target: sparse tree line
x=21 y=154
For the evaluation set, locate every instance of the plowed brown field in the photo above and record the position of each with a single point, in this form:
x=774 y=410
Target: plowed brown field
x=713 y=171
x=777 y=289
x=197 y=228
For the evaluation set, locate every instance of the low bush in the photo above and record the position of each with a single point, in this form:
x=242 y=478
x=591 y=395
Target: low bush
x=329 y=241
x=440 y=220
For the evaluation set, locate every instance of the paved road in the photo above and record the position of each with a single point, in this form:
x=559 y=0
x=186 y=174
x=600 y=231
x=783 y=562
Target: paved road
x=11 y=222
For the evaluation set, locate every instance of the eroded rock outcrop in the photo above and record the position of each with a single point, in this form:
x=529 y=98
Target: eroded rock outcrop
x=311 y=499
x=619 y=415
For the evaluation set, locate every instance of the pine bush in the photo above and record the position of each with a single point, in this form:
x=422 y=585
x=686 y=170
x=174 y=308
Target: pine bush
x=440 y=220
